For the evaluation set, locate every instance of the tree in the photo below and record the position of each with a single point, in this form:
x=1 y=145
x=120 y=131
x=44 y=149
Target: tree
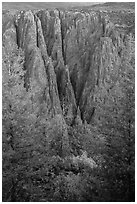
x=12 y=95
x=115 y=121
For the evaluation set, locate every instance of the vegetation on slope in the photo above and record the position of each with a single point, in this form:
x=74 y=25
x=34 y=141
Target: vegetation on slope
x=45 y=159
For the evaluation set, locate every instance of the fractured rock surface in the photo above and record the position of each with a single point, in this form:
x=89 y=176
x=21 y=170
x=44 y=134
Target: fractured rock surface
x=69 y=55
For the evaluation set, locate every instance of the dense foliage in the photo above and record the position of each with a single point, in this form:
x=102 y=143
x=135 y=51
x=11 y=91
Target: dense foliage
x=98 y=164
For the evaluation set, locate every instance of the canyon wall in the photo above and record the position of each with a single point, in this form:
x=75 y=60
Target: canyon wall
x=68 y=104
x=69 y=57
x=68 y=54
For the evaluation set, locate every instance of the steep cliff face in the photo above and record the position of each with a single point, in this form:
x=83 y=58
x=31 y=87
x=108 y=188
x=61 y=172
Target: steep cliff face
x=68 y=104
x=68 y=56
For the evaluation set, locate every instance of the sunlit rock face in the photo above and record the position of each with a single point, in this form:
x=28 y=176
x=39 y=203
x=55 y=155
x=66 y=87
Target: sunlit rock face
x=69 y=55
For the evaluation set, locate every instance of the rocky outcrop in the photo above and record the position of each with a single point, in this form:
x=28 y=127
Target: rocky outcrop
x=52 y=32
x=68 y=56
x=69 y=115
